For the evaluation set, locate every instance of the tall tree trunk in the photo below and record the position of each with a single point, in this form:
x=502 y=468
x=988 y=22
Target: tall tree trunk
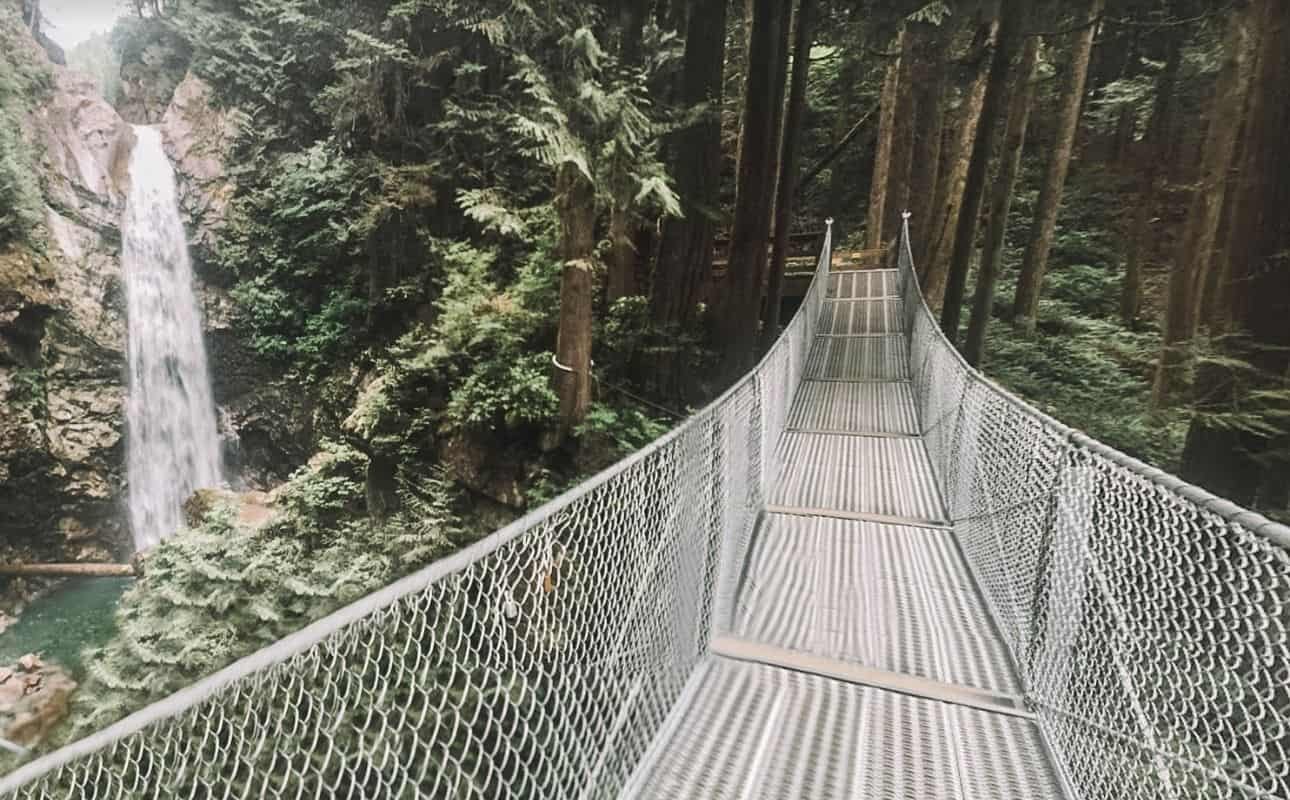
x=929 y=112
x=1035 y=261
x=787 y=20
x=620 y=277
x=878 y=184
x=1125 y=128
x=739 y=313
x=1195 y=252
x=685 y=253
x=1155 y=149
x=953 y=181
x=992 y=107
x=632 y=15
x=786 y=188
x=1257 y=295
x=1020 y=95
x=575 y=203
x=848 y=112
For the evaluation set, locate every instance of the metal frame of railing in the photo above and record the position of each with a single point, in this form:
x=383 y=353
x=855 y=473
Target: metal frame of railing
x=1149 y=619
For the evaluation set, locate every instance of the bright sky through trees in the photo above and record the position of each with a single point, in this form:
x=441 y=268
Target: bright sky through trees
x=73 y=21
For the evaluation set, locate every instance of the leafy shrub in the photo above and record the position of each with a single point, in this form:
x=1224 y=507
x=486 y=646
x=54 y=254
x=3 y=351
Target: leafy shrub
x=509 y=395
x=627 y=429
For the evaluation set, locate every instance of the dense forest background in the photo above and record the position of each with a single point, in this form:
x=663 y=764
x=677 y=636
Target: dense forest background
x=486 y=248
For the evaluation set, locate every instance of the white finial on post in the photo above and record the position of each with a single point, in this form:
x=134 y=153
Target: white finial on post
x=829 y=222
x=905 y=215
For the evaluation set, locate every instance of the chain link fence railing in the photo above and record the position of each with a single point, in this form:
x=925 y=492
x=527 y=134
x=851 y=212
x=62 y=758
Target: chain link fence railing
x=1150 y=620
x=538 y=663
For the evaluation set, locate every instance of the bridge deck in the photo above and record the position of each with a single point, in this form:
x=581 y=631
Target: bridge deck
x=862 y=661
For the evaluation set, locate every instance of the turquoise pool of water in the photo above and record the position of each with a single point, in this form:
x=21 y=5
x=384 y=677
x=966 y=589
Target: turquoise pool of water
x=57 y=626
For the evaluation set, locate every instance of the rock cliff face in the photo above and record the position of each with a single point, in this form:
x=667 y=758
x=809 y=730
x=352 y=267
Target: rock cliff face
x=267 y=425
x=63 y=327
x=62 y=337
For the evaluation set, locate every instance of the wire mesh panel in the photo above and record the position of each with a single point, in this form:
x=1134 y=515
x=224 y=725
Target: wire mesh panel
x=1150 y=621
x=538 y=663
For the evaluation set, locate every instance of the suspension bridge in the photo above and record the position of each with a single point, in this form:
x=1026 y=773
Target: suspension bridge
x=866 y=571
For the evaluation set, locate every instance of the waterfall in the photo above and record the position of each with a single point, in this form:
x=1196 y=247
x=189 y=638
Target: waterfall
x=172 y=444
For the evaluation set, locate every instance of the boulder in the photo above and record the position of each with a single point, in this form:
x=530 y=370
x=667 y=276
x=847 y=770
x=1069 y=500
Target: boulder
x=472 y=459
x=253 y=509
x=34 y=698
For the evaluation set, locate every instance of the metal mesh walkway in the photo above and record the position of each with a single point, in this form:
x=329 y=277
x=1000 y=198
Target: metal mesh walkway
x=863 y=663
x=865 y=571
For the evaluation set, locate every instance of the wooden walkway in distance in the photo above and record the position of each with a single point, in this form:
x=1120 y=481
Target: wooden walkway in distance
x=862 y=662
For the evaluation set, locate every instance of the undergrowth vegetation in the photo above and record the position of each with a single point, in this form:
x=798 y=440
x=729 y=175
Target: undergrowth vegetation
x=1083 y=366
x=224 y=591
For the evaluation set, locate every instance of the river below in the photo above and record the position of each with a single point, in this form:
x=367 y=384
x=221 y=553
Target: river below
x=80 y=613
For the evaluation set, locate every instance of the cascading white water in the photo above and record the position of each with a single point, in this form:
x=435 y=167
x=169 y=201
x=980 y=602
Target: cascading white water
x=172 y=444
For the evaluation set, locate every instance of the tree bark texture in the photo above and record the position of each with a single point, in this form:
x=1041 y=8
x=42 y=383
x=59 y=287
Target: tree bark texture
x=1195 y=254
x=1155 y=149
x=1035 y=260
x=1020 y=96
x=929 y=111
x=739 y=310
x=902 y=140
x=575 y=202
x=779 y=89
x=882 y=157
x=786 y=186
x=992 y=107
x=1257 y=297
x=68 y=570
x=953 y=179
x=685 y=253
x=620 y=279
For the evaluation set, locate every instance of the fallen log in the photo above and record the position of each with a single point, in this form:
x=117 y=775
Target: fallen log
x=68 y=570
